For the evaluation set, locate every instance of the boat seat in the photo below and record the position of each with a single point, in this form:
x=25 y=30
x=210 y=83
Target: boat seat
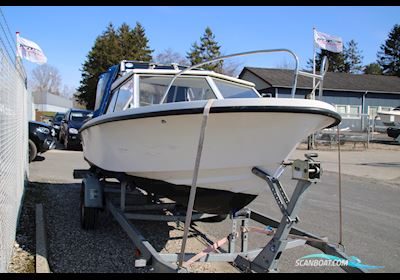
x=177 y=94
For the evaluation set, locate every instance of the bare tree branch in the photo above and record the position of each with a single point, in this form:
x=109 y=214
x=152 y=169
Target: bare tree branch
x=169 y=56
x=46 y=78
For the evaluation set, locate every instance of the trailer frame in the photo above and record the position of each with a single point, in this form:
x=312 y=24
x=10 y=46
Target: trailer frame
x=98 y=193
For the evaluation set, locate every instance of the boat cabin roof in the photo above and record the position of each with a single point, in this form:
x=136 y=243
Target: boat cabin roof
x=193 y=84
x=129 y=68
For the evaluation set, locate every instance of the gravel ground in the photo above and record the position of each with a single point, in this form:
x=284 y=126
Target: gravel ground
x=108 y=248
x=23 y=258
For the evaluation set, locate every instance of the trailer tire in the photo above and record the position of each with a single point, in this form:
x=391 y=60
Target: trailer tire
x=88 y=214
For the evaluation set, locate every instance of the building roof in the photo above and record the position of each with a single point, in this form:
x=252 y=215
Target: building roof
x=332 y=81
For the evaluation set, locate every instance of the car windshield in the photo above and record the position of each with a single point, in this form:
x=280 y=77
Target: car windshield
x=232 y=90
x=58 y=118
x=80 y=116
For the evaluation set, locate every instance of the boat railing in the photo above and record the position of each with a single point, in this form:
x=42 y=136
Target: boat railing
x=297 y=72
x=319 y=77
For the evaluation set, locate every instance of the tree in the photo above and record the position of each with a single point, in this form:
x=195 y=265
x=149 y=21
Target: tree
x=337 y=61
x=208 y=49
x=169 y=56
x=143 y=51
x=284 y=64
x=373 y=68
x=389 y=55
x=46 y=79
x=110 y=48
x=347 y=61
x=67 y=91
x=231 y=68
x=353 y=58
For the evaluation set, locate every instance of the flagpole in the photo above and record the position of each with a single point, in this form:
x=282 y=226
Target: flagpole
x=16 y=47
x=314 y=55
x=18 y=60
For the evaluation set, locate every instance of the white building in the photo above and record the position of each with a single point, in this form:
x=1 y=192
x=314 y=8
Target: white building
x=48 y=102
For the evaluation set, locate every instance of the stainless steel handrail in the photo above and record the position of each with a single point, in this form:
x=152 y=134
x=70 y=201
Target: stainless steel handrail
x=320 y=77
x=296 y=71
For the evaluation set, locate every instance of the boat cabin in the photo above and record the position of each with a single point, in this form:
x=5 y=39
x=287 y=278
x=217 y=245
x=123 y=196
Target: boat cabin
x=133 y=84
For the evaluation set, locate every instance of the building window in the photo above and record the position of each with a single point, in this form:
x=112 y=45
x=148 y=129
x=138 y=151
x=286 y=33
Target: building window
x=372 y=110
x=341 y=109
x=266 y=95
x=354 y=110
x=349 y=111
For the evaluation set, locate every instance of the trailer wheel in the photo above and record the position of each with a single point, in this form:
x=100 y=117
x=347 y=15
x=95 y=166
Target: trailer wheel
x=88 y=214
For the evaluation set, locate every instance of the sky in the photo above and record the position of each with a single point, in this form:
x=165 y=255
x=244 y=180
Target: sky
x=66 y=34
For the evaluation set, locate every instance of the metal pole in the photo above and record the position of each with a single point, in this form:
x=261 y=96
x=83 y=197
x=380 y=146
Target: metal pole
x=310 y=142
x=194 y=181
x=314 y=55
x=340 y=191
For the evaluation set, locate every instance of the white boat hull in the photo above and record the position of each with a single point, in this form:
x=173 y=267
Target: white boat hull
x=391 y=118
x=164 y=147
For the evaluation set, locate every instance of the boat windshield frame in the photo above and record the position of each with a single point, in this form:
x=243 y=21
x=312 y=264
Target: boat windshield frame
x=134 y=100
x=297 y=72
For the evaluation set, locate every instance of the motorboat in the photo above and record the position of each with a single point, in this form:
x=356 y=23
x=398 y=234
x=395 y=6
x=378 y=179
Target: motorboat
x=148 y=119
x=391 y=117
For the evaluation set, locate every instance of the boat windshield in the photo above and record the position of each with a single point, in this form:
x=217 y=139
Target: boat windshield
x=152 y=89
x=232 y=90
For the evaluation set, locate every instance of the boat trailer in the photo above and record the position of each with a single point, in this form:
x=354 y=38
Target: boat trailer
x=127 y=202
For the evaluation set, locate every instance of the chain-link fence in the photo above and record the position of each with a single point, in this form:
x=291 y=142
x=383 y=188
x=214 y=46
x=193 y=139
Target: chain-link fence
x=15 y=110
x=354 y=128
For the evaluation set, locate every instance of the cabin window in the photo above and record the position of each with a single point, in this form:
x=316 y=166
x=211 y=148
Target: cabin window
x=231 y=90
x=125 y=97
x=152 y=89
x=111 y=105
x=122 y=97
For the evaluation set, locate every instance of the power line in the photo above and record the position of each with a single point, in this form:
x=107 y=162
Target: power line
x=5 y=33
x=17 y=63
x=8 y=28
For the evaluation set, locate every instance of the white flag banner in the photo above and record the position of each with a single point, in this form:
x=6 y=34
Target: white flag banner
x=328 y=42
x=30 y=51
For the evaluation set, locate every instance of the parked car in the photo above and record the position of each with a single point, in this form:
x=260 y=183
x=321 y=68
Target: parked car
x=41 y=138
x=70 y=125
x=56 y=122
x=393 y=132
